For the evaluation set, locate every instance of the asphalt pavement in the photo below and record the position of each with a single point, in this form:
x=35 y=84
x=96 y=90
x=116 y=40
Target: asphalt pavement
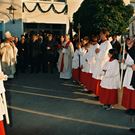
x=43 y=104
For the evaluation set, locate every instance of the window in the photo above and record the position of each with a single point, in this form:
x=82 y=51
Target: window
x=55 y=0
x=59 y=0
x=45 y=0
x=1 y=30
x=57 y=29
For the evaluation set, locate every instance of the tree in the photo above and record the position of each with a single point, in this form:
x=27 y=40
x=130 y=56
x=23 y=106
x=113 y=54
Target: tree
x=95 y=14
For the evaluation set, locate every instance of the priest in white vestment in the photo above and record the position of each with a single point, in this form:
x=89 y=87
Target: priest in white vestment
x=8 y=52
x=65 y=59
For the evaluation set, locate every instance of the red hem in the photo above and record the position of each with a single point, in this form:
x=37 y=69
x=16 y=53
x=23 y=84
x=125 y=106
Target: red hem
x=2 y=129
x=76 y=74
x=128 y=98
x=108 y=96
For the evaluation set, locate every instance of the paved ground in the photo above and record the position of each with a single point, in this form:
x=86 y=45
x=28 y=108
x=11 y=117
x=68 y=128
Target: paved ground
x=42 y=104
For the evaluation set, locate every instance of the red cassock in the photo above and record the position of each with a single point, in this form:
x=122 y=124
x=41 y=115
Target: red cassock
x=95 y=86
x=76 y=74
x=89 y=82
x=82 y=80
x=2 y=130
x=108 y=96
x=128 y=99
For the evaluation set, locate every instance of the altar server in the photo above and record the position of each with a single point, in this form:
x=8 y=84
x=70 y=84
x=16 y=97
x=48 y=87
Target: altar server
x=110 y=82
x=101 y=59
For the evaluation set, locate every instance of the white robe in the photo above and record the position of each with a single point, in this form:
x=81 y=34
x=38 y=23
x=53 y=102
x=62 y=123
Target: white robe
x=85 y=63
x=2 y=89
x=92 y=57
x=111 y=78
x=101 y=58
x=8 y=53
x=83 y=51
x=129 y=72
x=68 y=55
x=76 y=58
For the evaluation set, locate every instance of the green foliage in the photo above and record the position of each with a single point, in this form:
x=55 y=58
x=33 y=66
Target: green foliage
x=95 y=14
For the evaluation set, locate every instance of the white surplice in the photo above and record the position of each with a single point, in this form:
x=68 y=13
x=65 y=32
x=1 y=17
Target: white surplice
x=101 y=58
x=129 y=72
x=68 y=54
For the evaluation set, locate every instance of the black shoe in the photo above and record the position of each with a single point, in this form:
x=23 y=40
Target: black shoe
x=132 y=130
x=127 y=111
x=96 y=98
x=37 y=71
x=109 y=107
x=45 y=71
x=51 y=71
x=90 y=92
x=23 y=71
x=130 y=112
x=83 y=91
x=104 y=106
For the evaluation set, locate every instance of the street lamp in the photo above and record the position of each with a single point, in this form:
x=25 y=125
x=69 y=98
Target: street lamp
x=11 y=11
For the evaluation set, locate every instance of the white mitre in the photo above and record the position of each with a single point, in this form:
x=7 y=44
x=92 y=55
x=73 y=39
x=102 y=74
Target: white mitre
x=8 y=35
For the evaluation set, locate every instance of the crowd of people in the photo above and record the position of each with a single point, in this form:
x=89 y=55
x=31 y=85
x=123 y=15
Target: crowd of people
x=96 y=66
x=94 y=63
x=36 y=52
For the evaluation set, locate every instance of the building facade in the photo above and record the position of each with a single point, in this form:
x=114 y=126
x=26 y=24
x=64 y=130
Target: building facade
x=132 y=21
x=35 y=15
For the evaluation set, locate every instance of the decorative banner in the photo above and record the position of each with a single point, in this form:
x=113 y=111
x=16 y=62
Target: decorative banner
x=65 y=9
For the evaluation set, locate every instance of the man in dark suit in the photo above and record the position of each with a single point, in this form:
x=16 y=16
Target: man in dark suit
x=51 y=46
x=115 y=44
